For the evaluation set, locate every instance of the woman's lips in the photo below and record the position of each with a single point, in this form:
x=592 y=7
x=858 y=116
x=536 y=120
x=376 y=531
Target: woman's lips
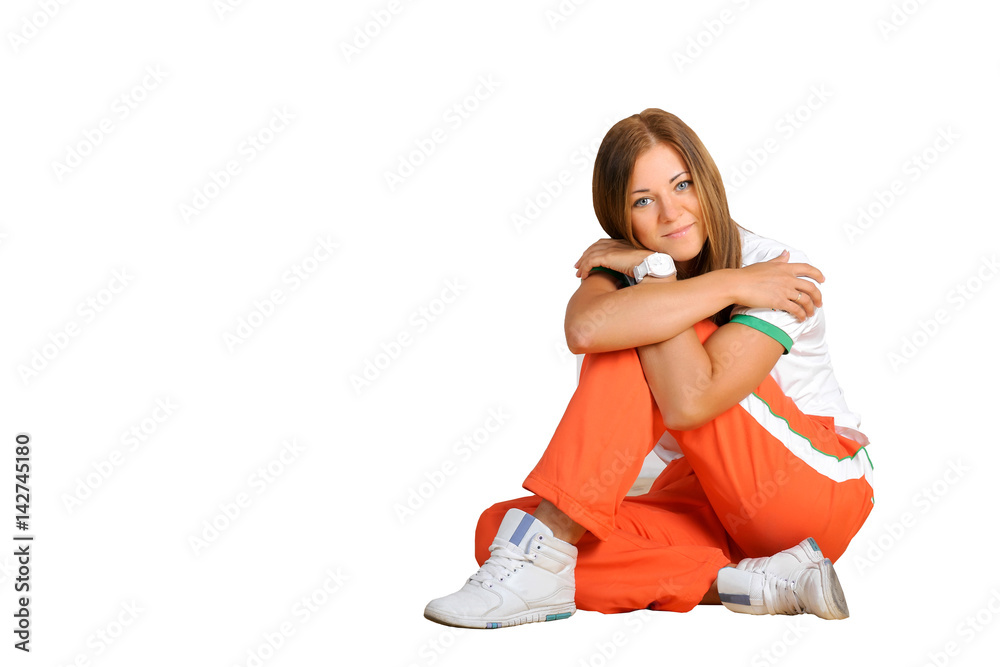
x=680 y=232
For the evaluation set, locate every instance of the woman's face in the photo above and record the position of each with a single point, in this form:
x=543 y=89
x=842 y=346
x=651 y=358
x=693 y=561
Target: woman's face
x=666 y=216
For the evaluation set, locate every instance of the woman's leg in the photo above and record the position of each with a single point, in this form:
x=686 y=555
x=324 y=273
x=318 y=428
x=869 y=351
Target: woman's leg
x=595 y=455
x=562 y=526
x=659 y=551
x=664 y=553
x=776 y=476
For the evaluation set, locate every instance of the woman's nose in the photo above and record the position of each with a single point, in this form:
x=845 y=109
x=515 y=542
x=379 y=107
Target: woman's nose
x=669 y=210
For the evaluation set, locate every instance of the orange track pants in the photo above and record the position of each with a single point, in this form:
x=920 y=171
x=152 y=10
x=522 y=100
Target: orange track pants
x=740 y=490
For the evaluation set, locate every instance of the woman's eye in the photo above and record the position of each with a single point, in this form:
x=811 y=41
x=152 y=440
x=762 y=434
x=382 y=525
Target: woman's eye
x=687 y=185
x=640 y=200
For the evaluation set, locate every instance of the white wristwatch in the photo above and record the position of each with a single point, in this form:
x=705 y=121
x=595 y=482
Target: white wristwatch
x=658 y=265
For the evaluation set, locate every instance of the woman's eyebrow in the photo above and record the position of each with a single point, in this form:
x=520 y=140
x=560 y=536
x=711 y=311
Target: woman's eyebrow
x=671 y=180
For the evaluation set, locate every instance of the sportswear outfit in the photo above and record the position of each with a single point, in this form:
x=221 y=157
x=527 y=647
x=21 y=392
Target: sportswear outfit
x=786 y=463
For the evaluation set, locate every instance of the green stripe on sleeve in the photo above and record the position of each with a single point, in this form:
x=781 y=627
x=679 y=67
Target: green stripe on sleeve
x=765 y=328
x=622 y=280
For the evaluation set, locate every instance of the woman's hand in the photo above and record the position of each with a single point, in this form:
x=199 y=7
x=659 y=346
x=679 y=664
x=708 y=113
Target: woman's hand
x=612 y=254
x=778 y=285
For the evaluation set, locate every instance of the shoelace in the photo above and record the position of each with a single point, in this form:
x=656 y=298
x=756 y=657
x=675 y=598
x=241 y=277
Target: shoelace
x=503 y=560
x=780 y=597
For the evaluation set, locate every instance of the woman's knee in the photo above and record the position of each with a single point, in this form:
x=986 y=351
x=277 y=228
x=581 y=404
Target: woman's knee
x=764 y=525
x=612 y=361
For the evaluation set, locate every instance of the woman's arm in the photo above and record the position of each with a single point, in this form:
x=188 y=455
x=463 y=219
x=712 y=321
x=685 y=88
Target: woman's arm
x=694 y=383
x=600 y=317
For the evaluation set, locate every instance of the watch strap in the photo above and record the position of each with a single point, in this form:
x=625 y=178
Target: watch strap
x=641 y=271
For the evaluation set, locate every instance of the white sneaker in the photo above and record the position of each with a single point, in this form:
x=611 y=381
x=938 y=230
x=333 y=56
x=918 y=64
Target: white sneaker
x=529 y=577
x=798 y=580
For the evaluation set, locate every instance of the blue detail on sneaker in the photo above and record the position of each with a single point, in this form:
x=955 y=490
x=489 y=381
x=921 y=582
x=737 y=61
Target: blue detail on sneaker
x=522 y=528
x=734 y=599
x=556 y=617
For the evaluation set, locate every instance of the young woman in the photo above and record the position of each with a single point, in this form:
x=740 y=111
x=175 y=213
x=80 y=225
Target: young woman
x=707 y=342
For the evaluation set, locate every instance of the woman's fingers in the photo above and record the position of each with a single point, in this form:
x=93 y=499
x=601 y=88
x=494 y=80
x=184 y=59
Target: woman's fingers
x=588 y=259
x=806 y=300
x=802 y=308
x=614 y=254
x=808 y=271
x=586 y=263
x=808 y=296
x=806 y=303
x=811 y=290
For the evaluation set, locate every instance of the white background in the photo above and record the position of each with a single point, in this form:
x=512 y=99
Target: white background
x=330 y=516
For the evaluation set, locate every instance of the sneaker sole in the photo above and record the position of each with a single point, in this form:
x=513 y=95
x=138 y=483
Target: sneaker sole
x=556 y=613
x=833 y=593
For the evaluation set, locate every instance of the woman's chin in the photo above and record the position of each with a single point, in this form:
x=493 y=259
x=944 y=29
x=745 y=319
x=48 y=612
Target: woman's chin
x=680 y=257
x=684 y=261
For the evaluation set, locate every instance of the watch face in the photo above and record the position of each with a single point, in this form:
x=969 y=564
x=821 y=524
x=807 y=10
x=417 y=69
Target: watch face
x=661 y=263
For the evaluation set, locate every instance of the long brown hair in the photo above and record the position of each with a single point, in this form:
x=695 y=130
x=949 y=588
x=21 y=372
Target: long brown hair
x=622 y=145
